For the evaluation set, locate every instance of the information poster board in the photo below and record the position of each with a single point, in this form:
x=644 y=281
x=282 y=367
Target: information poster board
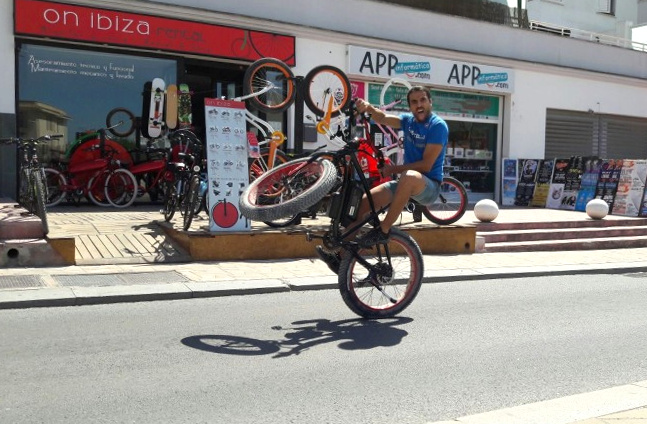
x=557 y=184
x=589 y=182
x=572 y=182
x=608 y=180
x=227 y=166
x=509 y=181
x=526 y=185
x=631 y=188
x=542 y=184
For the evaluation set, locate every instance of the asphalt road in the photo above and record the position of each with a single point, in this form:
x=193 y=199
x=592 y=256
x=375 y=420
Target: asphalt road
x=461 y=348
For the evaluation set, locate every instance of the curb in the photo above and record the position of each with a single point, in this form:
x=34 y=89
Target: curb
x=79 y=296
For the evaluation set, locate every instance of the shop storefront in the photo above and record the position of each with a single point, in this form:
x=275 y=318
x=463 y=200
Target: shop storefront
x=76 y=63
x=468 y=96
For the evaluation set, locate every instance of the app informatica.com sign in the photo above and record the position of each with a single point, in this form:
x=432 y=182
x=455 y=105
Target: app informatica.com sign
x=428 y=70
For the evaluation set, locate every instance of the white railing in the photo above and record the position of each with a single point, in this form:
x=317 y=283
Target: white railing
x=581 y=34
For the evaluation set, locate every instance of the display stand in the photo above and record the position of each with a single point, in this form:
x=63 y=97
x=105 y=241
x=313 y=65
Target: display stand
x=631 y=188
x=227 y=166
x=542 y=184
x=509 y=181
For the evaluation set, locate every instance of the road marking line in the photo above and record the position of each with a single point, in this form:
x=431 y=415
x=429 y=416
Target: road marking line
x=565 y=410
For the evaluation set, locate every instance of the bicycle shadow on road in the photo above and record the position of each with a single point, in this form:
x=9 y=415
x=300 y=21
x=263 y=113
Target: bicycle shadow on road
x=354 y=334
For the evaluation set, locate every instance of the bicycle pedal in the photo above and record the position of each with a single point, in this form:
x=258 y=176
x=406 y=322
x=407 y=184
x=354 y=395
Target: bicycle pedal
x=310 y=236
x=417 y=215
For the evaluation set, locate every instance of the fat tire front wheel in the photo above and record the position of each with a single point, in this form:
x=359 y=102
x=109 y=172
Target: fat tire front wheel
x=287 y=189
x=391 y=284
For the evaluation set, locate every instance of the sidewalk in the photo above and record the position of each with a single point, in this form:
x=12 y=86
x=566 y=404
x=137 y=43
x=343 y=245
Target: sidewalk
x=79 y=285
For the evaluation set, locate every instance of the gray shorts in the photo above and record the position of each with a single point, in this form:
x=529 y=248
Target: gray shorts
x=426 y=197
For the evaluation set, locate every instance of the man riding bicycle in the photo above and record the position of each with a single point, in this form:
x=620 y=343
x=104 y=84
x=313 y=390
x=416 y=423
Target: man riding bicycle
x=425 y=143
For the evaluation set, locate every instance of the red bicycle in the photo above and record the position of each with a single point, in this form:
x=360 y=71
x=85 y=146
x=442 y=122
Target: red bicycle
x=97 y=179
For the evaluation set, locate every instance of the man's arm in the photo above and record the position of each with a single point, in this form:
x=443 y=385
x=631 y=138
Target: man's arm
x=378 y=115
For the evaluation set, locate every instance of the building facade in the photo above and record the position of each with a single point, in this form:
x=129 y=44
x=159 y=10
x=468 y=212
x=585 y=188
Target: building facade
x=506 y=92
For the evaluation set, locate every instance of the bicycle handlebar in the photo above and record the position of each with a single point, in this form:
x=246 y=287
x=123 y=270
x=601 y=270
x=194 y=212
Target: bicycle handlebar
x=22 y=141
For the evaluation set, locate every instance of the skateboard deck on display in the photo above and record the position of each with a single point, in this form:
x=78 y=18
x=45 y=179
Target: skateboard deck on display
x=171 y=107
x=156 y=108
x=185 y=119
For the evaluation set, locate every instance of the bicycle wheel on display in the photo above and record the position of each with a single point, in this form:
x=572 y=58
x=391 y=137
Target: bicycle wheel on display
x=121 y=188
x=56 y=183
x=258 y=166
x=120 y=122
x=39 y=199
x=323 y=84
x=393 y=82
x=451 y=204
x=96 y=189
x=170 y=200
x=386 y=279
x=287 y=189
x=269 y=72
x=25 y=193
x=191 y=199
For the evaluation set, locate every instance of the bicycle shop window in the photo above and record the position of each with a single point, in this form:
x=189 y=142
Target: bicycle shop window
x=70 y=91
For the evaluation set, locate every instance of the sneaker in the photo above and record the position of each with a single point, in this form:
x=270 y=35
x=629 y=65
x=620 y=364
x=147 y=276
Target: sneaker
x=373 y=237
x=332 y=259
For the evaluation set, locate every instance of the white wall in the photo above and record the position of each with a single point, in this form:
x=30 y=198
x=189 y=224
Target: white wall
x=583 y=14
x=536 y=91
x=7 y=72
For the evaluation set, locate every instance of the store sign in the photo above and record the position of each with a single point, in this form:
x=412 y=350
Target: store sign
x=429 y=70
x=445 y=103
x=90 y=24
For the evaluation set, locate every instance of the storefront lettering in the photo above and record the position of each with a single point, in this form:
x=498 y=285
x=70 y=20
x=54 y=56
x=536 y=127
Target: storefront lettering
x=62 y=21
x=460 y=76
x=381 y=60
x=181 y=33
x=99 y=21
x=110 y=70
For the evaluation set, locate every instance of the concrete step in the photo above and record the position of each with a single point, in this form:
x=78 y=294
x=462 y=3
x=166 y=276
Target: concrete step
x=559 y=224
x=32 y=253
x=580 y=234
x=17 y=224
x=567 y=244
x=527 y=235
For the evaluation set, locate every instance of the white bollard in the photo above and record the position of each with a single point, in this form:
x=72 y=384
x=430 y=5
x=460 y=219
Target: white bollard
x=486 y=210
x=597 y=208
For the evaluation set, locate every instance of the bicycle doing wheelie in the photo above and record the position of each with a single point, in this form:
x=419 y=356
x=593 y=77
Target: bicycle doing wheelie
x=375 y=282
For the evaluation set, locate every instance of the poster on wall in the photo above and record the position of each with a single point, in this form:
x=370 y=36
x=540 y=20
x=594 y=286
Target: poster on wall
x=631 y=188
x=572 y=182
x=526 y=185
x=542 y=184
x=509 y=182
x=227 y=167
x=589 y=181
x=556 y=189
x=608 y=180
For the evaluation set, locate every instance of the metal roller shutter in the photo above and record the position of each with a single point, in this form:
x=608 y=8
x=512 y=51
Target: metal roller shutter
x=626 y=137
x=571 y=133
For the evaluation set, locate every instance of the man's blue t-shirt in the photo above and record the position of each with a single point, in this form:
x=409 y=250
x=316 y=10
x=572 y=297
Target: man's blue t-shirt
x=418 y=134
